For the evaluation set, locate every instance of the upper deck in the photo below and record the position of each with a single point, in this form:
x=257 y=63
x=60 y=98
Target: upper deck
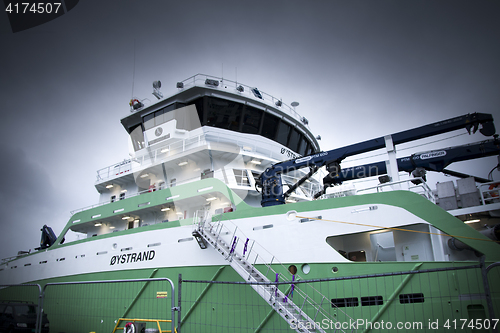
x=228 y=105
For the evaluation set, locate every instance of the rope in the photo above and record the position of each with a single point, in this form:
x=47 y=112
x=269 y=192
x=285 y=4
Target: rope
x=397 y=229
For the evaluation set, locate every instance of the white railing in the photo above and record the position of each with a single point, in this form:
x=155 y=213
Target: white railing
x=490 y=193
x=248 y=249
x=423 y=189
x=185 y=181
x=148 y=157
x=224 y=84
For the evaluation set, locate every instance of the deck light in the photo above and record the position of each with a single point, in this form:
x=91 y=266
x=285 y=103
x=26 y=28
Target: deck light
x=165 y=209
x=112 y=227
x=254 y=161
x=164 y=150
x=123 y=191
x=182 y=163
x=97 y=224
x=211 y=198
x=472 y=221
x=144 y=175
x=109 y=186
x=125 y=217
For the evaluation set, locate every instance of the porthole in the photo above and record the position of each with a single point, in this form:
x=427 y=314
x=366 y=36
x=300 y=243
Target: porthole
x=115 y=246
x=306 y=268
x=335 y=269
x=292 y=269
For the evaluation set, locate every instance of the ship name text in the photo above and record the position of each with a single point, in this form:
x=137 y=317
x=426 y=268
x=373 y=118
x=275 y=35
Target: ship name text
x=132 y=257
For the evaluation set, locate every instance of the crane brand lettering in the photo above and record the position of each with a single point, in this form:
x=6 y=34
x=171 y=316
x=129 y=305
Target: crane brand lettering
x=432 y=155
x=132 y=257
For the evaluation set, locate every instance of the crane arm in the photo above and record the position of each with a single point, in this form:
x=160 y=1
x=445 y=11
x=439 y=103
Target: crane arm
x=270 y=179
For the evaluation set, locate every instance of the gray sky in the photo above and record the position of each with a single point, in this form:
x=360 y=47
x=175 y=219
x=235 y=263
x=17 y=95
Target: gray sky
x=359 y=69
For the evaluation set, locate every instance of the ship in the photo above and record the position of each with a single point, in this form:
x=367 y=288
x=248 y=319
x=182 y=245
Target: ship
x=227 y=195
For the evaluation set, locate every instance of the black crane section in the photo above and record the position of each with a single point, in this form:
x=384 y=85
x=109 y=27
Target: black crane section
x=436 y=160
x=270 y=179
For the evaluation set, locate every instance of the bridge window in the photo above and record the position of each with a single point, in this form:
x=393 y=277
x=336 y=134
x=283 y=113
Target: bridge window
x=283 y=132
x=217 y=112
x=302 y=147
x=270 y=126
x=294 y=140
x=224 y=114
x=251 y=120
x=159 y=117
x=149 y=121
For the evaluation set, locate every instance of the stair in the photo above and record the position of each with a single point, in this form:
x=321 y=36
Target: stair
x=285 y=307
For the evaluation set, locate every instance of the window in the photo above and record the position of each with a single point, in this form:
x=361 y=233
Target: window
x=131 y=225
x=411 y=298
x=224 y=114
x=302 y=147
x=270 y=126
x=345 y=302
x=113 y=198
x=294 y=140
x=122 y=196
x=251 y=120
x=241 y=177
x=235 y=116
x=149 y=121
x=172 y=182
x=283 y=132
x=137 y=137
x=371 y=300
x=159 y=119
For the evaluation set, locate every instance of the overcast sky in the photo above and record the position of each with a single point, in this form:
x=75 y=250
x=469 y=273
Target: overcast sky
x=359 y=69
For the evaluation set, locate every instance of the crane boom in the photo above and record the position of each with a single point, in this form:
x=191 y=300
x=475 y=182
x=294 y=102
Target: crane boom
x=270 y=179
x=435 y=160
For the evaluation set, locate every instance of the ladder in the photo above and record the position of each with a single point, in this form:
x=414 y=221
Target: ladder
x=284 y=306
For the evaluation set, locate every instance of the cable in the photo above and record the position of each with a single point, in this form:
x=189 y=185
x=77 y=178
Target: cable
x=490 y=177
x=397 y=229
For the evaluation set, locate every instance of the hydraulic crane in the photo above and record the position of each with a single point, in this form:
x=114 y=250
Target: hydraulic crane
x=270 y=179
x=436 y=160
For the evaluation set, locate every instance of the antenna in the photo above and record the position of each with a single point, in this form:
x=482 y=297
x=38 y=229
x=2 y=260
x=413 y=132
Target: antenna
x=133 y=74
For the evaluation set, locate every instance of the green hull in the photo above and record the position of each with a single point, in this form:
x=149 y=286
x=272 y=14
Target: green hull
x=431 y=301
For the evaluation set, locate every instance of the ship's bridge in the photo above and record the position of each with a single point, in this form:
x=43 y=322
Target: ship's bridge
x=224 y=104
x=211 y=127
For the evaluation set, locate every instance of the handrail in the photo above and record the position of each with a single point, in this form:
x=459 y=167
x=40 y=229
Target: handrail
x=199 y=80
x=427 y=192
x=157 y=321
x=239 y=248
